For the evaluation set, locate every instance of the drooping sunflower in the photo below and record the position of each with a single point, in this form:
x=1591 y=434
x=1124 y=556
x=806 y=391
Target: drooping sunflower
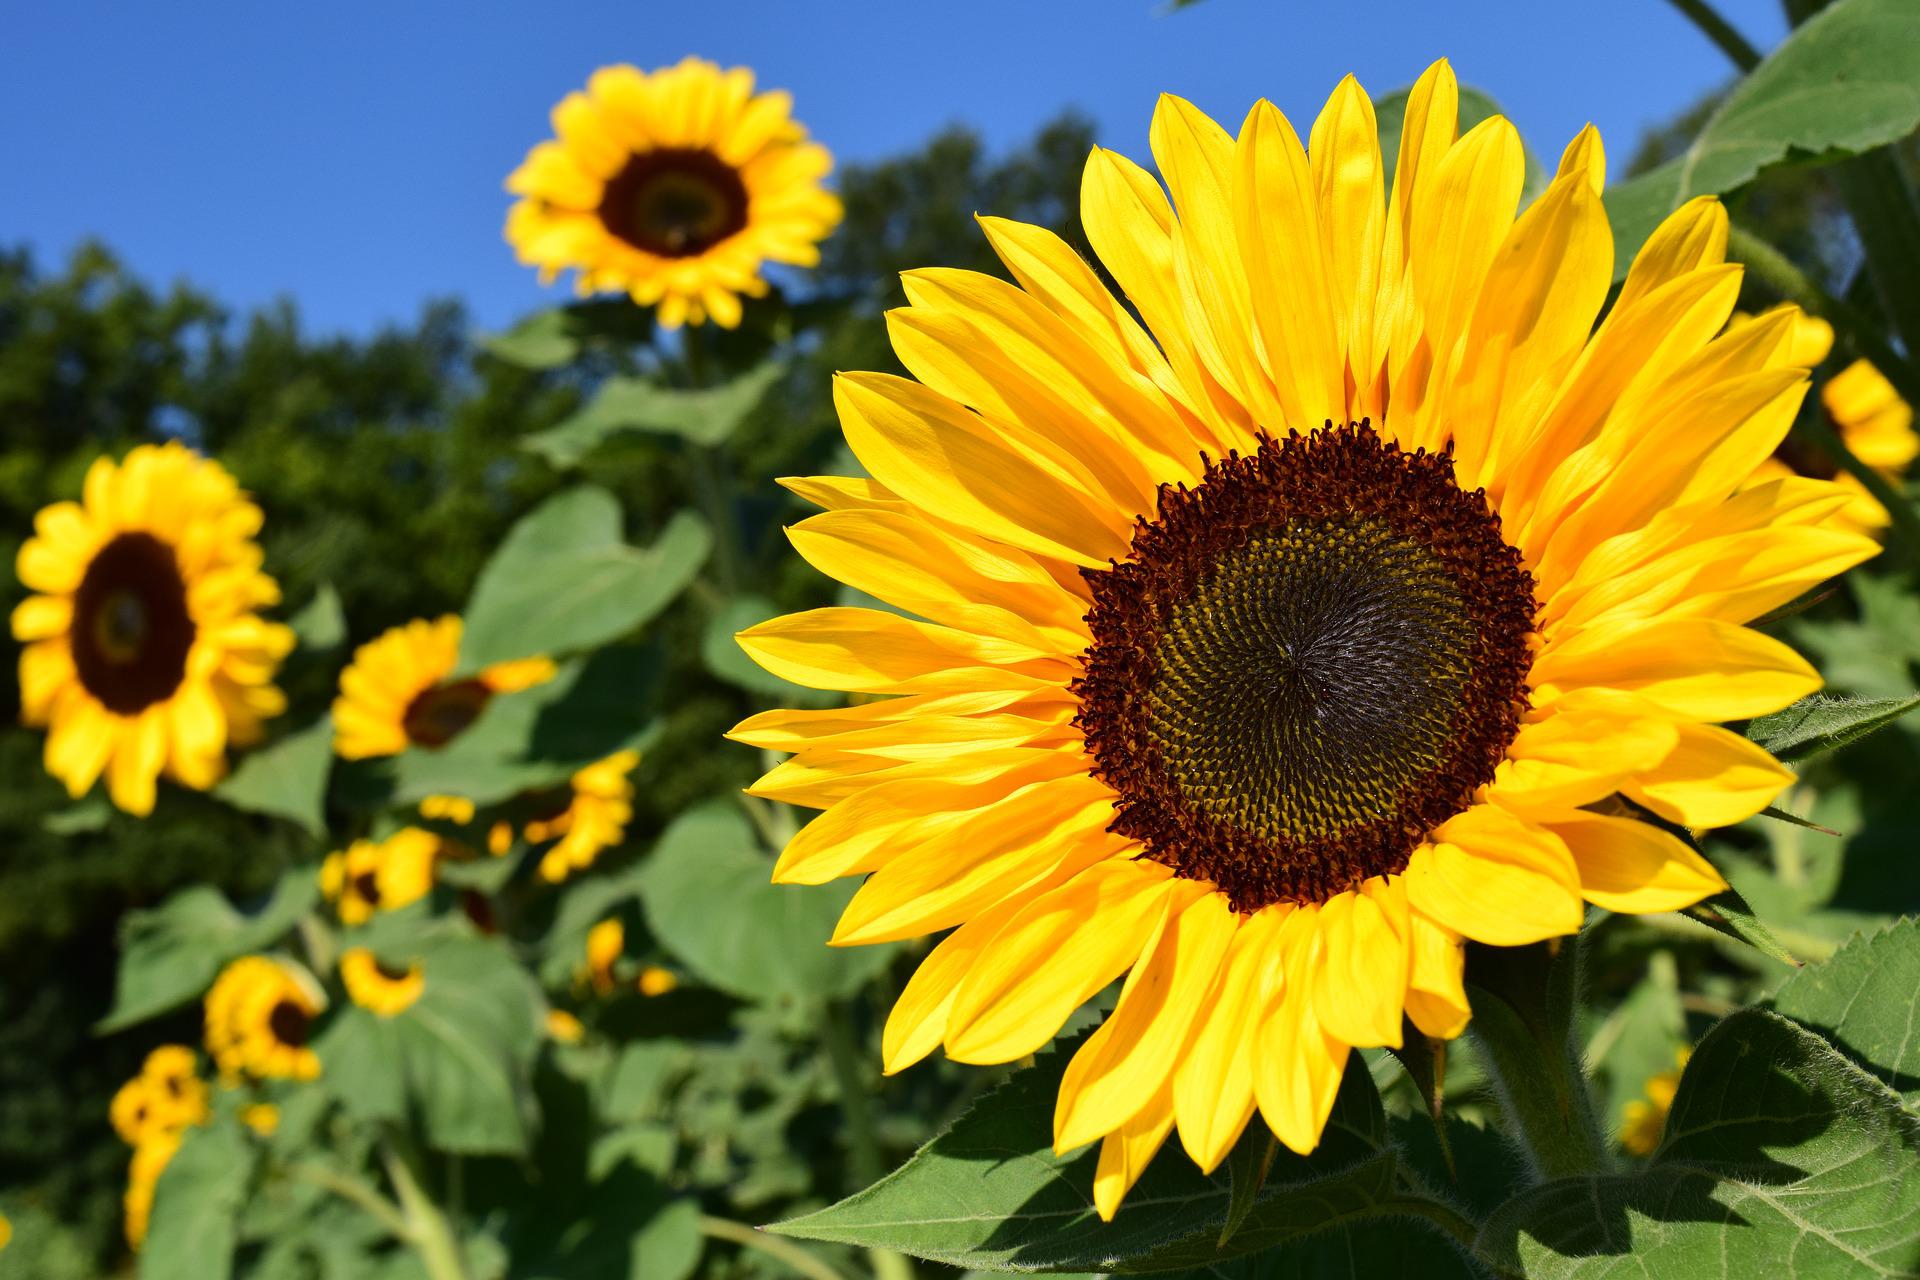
x=606 y=942
x=167 y=1096
x=381 y=875
x=145 y=653
x=674 y=186
x=1369 y=593
x=1871 y=419
x=259 y=1017
x=376 y=986
x=396 y=694
x=150 y=1160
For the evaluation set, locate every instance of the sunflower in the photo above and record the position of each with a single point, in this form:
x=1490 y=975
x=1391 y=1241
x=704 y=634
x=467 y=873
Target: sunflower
x=1369 y=593
x=150 y=1160
x=1644 y=1120
x=395 y=693
x=597 y=805
x=655 y=981
x=259 y=1016
x=375 y=986
x=144 y=654
x=167 y=1096
x=381 y=875
x=261 y=1117
x=675 y=187
x=1869 y=415
x=605 y=943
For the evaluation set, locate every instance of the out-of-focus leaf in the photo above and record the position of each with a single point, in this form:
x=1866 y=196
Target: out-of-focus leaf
x=1390 y=113
x=705 y=417
x=766 y=941
x=1842 y=83
x=91 y=813
x=1865 y=998
x=1640 y=1038
x=627 y=1227
x=635 y=1085
x=989 y=1193
x=725 y=659
x=286 y=780
x=464 y=1049
x=171 y=953
x=196 y=1207
x=1818 y=725
x=537 y=737
x=565 y=579
x=321 y=624
x=543 y=340
x=1781 y=1158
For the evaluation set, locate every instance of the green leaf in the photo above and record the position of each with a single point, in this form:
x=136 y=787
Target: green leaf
x=537 y=737
x=1781 y=1159
x=705 y=417
x=171 y=953
x=286 y=780
x=1640 y=1038
x=625 y=1228
x=726 y=659
x=769 y=941
x=196 y=1207
x=544 y=340
x=564 y=579
x=1843 y=83
x=990 y=1194
x=1866 y=999
x=91 y=813
x=1390 y=113
x=1818 y=725
x=1728 y=913
x=321 y=624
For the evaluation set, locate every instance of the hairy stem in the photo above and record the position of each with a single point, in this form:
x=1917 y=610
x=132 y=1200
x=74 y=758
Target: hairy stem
x=867 y=1163
x=1720 y=31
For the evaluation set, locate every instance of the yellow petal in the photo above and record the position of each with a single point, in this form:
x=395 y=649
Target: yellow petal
x=1494 y=877
x=137 y=760
x=1297 y=1065
x=1125 y=1154
x=1632 y=867
x=1213 y=1086
x=1580 y=750
x=1699 y=670
x=1360 y=984
x=873 y=651
x=1437 y=991
x=1692 y=236
x=1460 y=220
x=918 y=1022
x=1712 y=778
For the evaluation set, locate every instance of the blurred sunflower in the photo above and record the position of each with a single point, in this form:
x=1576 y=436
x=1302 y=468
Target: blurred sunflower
x=1870 y=418
x=144 y=654
x=395 y=693
x=605 y=943
x=150 y=1160
x=373 y=985
x=381 y=875
x=1644 y=1120
x=675 y=187
x=1278 y=646
x=596 y=807
x=259 y=1016
x=564 y=1027
x=167 y=1096
x=655 y=981
x=261 y=1117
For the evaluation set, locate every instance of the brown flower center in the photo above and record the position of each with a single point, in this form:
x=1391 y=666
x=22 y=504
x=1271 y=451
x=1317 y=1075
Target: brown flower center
x=289 y=1023
x=675 y=202
x=131 y=629
x=438 y=715
x=1308 y=661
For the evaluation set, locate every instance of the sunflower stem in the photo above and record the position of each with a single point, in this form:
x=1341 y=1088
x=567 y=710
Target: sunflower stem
x=867 y=1163
x=1723 y=33
x=430 y=1232
x=356 y=1192
x=773 y=1246
x=1863 y=337
x=1524 y=1001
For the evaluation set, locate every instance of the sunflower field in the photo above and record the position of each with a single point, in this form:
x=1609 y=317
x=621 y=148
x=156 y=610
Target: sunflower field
x=1262 y=699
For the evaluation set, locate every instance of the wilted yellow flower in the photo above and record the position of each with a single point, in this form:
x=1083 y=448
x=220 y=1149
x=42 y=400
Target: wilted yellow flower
x=674 y=187
x=1643 y=1120
x=259 y=1015
x=1282 y=624
x=372 y=985
x=167 y=1096
x=598 y=806
x=150 y=1160
x=605 y=942
x=655 y=981
x=395 y=693
x=144 y=651
x=381 y=875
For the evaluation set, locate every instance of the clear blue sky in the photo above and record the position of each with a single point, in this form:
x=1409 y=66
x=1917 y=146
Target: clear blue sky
x=350 y=154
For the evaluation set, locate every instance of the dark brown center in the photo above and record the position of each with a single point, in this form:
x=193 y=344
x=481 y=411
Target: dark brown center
x=289 y=1023
x=366 y=887
x=675 y=202
x=438 y=715
x=1307 y=662
x=131 y=629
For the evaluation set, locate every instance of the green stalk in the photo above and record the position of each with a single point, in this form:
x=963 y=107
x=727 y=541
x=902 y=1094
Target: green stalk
x=1720 y=31
x=773 y=1246
x=710 y=479
x=428 y=1228
x=867 y=1163
x=1523 y=1017
x=1881 y=203
x=356 y=1192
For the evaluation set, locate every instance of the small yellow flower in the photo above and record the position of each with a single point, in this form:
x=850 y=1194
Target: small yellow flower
x=1643 y=1120
x=599 y=805
x=675 y=187
x=373 y=985
x=395 y=693
x=150 y=1159
x=564 y=1027
x=655 y=981
x=261 y=1117
x=382 y=875
x=144 y=651
x=259 y=1016
x=6 y=1232
x=605 y=942
x=167 y=1096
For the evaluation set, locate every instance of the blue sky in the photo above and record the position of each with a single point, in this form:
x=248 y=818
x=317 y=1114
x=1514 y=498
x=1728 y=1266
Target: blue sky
x=350 y=154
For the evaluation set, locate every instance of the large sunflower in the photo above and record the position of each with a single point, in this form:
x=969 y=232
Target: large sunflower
x=144 y=654
x=259 y=1016
x=1375 y=594
x=674 y=186
x=395 y=693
